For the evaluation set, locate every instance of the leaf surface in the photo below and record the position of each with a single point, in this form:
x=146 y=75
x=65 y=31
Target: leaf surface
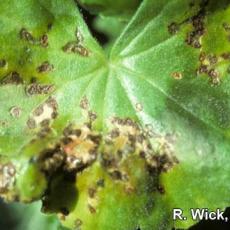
x=168 y=72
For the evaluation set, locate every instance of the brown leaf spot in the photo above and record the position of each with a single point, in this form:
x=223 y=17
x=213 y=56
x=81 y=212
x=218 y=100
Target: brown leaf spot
x=84 y=103
x=177 y=75
x=101 y=183
x=4 y=123
x=75 y=47
x=226 y=56
x=45 y=67
x=27 y=36
x=92 y=116
x=3 y=63
x=44 y=41
x=226 y=26
x=193 y=37
x=92 y=192
x=12 y=78
x=31 y=123
x=202 y=69
x=38 y=111
x=78 y=223
x=15 y=111
x=91 y=209
x=34 y=89
x=173 y=28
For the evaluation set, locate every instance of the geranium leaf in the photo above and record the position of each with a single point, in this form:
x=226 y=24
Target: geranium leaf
x=128 y=137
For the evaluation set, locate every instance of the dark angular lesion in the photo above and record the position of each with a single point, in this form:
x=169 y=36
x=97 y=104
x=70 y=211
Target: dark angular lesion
x=76 y=46
x=117 y=175
x=212 y=58
x=100 y=183
x=3 y=63
x=38 y=111
x=44 y=131
x=78 y=223
x=44 y=40
x=92 y=209
x=50 y=109
x=226 y=56
x=51 y=160
x=92 y=192
x=226 y=26
x=13 y=78
x=31 y=123
x=27 y=36
x=194 y=37
x=45 y=67
x=173 y=28
x=35 y=88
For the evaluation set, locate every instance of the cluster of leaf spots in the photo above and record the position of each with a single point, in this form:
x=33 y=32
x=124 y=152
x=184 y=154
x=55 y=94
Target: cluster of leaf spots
x=3 y=63
x=80 y=147
x=14 y=77
x=77 y=149
x=207 y=66
x=194 y=38
x=42 y=116
x=209 y=63
x=76 y=46
x=28 y=37
x=127 y=137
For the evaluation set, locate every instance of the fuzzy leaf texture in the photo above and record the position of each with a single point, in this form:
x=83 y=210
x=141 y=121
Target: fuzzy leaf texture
x=116 y=142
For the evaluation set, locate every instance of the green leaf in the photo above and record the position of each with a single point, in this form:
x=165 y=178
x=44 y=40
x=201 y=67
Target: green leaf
x=138 y=133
